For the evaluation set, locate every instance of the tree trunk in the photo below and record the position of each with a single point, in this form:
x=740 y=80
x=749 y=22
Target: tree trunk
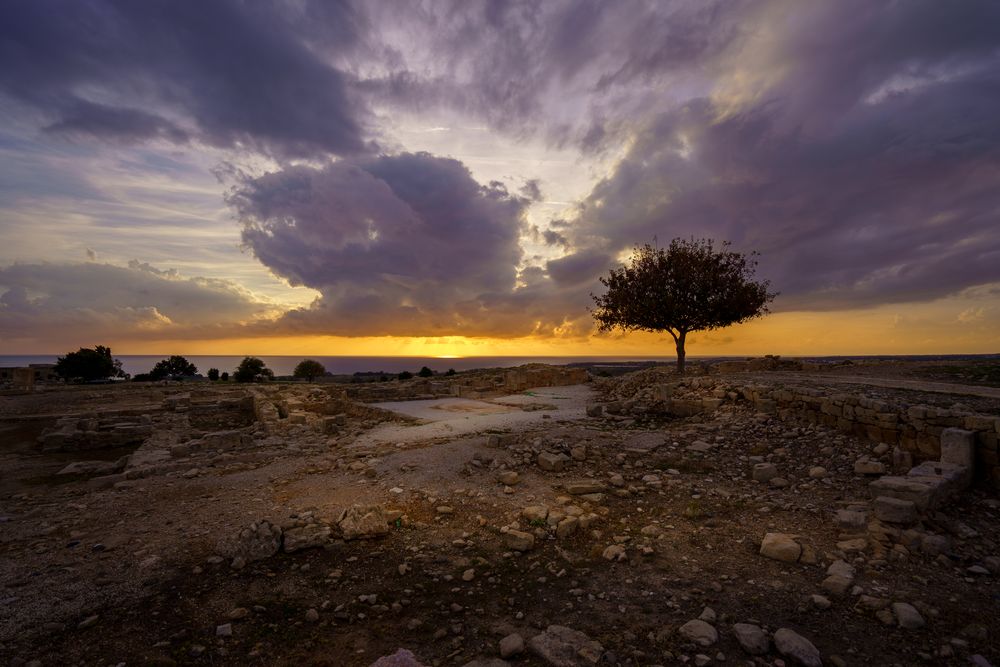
x=680 y=352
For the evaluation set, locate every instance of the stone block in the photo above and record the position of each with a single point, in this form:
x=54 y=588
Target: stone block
x=894 y=510
x=924 y=492
x=781 y=546
x=958 y=447
x=551 y=461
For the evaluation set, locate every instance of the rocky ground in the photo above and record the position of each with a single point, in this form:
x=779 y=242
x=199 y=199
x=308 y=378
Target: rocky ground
x=525 y=530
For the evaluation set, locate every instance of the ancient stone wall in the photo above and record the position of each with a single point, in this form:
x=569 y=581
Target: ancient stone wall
x=916 y=429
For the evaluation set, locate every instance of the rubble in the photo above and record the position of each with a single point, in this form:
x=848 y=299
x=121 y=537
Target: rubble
x=704 y=520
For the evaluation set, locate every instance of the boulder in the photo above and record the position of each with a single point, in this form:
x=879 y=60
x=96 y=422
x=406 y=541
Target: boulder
x=560 y=646
x=552 y=461
x=797 y=648
x=752 y=639
x=699 y=632
x=306 y=537
x=781 y=546
x=363 y=521
x=401 y=658
x=519 y=540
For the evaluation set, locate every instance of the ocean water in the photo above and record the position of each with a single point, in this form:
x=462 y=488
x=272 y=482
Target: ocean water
x=284 y=365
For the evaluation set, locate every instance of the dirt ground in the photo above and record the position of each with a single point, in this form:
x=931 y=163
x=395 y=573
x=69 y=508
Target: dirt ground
x=666 y=525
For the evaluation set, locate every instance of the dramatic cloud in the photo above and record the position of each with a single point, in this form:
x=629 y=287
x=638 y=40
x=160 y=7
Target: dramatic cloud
x=408 y=244
x=99 y=301
x=228 y=73
x=865 y=173
x=854 y=144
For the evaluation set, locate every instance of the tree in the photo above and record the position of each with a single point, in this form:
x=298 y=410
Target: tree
x=252 y=369
x=213 y=374
x=225 y=376
x=689 y=286
x=425 y=372
x=405 y=375
x=175 y=365
x=309 y=369
x=89 y=364
x=451 y=371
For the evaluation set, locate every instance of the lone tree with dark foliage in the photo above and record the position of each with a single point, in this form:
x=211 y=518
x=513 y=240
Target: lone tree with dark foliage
x=689 y=286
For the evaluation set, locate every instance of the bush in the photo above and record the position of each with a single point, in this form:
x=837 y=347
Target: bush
x=213 y=374
x=425 y=372
x=405 y=375
x=225 y=376
x=451 y=371
x=309 y=369
x=252 y=369
x=89 y=364
x=175 y=365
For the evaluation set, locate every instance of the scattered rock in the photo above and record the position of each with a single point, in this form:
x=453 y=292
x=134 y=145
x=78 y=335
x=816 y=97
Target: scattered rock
x=699 y=632
x=560 y=646
x=907 y=616
x=511 y=645
x=752 y=639
x=781 y=546
x=797 y=648
x=363 y=521
x=519 y=540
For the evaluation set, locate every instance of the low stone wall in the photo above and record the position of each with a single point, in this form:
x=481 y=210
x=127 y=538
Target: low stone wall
x=916 y=429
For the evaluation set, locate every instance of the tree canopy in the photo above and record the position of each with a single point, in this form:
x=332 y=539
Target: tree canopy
x=689 y=286
x=174 y=365
x=309 y=369
x=252 y=369
x=213 y=374
x=425 y=372
x=89 y=364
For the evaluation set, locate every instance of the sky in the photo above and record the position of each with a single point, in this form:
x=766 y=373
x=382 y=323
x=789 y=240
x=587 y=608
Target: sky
x=438 y=178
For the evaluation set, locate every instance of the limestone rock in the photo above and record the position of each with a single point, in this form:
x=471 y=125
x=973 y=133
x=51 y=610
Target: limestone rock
x=752 y=639
x=306 y=537
x=580 y=488
x=551 y=461
x=797 y=648
x=560 y=646
x=907 y=616
x=401 y=658
x=519 y=540
x=894 y=510
x=699 y=632
x=363 y=521
x=260 y=540
x=511 y=645
x=764 y=472
x=780 y=546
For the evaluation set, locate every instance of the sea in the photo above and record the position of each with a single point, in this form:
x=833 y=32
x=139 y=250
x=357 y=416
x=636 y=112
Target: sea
x=284 y=365
x=343 y=365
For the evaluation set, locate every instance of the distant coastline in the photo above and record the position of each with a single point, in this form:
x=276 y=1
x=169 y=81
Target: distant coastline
x=284 y=364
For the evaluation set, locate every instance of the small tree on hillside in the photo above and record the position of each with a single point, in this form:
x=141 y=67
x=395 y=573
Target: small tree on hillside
x=309 y=369
x=213 y=374
x=689 y=286
x=175 y=365
x=89 y=364
x=425 y=372
x=252 y=369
